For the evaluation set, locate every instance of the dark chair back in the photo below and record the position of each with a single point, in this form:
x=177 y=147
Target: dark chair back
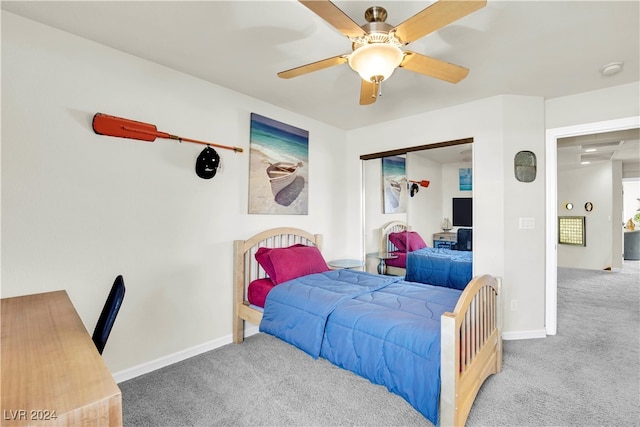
x=465 y=237
x=109 y=312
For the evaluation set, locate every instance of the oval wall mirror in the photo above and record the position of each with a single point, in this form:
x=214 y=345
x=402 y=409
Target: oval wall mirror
x=524 y=165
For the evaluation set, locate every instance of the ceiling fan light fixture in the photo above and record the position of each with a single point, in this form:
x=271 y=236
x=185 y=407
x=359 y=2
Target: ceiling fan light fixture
x=374 y=60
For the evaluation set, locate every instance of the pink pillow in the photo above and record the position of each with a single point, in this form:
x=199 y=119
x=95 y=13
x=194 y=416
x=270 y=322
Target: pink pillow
x=258 y=290
x=262 y=256
x=415 y=242
x=400 y=262
x=399 y=239
x=282 y=264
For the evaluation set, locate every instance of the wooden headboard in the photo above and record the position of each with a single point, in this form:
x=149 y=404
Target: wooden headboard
x=388 y=228
x=246 y=269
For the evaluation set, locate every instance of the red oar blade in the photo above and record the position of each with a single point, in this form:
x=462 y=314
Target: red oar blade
x=104 y=124
x=422 y=183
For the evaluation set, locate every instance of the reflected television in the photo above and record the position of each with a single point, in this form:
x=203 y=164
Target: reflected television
x=462 y=210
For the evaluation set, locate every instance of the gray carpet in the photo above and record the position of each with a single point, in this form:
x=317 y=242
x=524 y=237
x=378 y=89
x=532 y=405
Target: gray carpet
x=586 y=375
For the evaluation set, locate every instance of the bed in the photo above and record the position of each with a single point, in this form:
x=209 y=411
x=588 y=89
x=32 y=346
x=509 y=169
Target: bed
x=439 y=266
x=463 y=326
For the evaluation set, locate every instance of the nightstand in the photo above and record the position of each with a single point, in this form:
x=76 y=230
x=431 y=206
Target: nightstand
x=444 y=240
x=345 y=263
x=382 y=256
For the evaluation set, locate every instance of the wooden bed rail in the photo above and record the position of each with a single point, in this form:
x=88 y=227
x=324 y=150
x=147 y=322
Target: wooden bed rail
x=471 y=347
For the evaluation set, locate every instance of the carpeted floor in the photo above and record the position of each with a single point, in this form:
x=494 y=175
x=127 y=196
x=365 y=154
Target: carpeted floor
x=586 y=375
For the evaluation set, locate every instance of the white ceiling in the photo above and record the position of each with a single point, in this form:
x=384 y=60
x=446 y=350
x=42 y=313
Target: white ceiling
x=621 y=145
x=536 y=48
x=573 y=152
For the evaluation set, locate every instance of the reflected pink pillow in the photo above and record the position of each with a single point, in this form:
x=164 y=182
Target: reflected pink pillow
x=415 y=242
x=399 y=239
x=400 y=262
x=282 y=264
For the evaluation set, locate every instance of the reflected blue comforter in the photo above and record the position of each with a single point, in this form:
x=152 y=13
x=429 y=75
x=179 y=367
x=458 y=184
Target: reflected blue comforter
x=440 y=267
x=383 y=328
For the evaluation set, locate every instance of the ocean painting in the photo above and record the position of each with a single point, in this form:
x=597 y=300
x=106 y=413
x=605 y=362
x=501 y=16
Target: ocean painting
x=465 y=179
x=278 y=168
x=394 y=184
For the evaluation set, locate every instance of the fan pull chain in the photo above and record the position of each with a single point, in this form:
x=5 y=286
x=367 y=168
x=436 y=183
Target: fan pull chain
x=377 y=85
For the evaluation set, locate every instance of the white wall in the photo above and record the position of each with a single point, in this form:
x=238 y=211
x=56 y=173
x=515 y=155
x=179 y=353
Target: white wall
x=595 y=184
x=431 y=205
x=424 y=212
x=80 y=208
x=591 y=107
x=500 y=126
x=451 y=183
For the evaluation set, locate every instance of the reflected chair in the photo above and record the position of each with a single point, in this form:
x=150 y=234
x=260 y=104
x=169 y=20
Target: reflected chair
x=109 y=312
x=464 y=239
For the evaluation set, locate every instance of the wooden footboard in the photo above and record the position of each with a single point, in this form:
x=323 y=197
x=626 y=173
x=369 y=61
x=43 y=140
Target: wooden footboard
x=246 y=269
x=471 y=348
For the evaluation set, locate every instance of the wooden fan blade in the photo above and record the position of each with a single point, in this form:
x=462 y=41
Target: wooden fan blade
x=334 y=16
x=368 y=92
x=314 y=66
x=434 y=17
x=433 y=67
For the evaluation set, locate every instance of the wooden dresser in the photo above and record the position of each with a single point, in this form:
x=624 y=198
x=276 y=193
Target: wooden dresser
x=52 y=373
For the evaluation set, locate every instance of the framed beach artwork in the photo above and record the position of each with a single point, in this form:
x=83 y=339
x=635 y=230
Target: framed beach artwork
x=394 y=184
x=278 y=168
x=465 y=179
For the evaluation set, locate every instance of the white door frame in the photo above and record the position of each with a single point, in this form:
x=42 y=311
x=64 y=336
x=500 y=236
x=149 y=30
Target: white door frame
x=551 y=148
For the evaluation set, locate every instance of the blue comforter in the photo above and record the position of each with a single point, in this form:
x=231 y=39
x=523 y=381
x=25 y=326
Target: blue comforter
x=440 y=267
x=380 y=327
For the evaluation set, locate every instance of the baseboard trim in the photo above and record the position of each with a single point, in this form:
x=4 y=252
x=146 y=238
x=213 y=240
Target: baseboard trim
x=524 y=335
x=179 y=356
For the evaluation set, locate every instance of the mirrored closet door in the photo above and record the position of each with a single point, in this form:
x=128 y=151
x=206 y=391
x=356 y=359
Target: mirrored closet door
x=436 y=176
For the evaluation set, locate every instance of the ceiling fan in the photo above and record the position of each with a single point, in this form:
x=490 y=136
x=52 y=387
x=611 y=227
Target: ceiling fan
x=376 y=44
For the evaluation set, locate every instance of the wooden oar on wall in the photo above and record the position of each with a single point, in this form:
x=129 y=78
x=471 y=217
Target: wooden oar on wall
x=104 y=124
x=422 y=183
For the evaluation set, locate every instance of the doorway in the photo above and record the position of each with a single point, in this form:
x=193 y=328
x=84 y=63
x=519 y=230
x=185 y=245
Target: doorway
x=551 y=147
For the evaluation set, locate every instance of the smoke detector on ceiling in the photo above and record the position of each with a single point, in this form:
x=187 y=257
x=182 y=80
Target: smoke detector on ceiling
x=611 y=69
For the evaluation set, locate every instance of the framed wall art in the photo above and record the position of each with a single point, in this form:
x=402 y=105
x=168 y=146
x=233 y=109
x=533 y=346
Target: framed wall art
x=278 y=168
x=465 y=179
x=571 y=230
x=394 y=184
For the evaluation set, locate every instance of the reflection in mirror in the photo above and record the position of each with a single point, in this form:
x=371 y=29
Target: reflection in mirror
x=429 y=212
x=384 y=190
